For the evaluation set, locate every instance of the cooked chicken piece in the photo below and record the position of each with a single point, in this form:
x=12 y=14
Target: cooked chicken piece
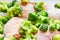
x=12 y=26
x=45 y=35
x=52 y=11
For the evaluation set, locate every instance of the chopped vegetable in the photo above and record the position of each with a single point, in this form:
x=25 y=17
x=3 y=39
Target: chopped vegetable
x=1 y=29
x=3 y=8
x=1 y=3
x=1 y=36
x=3 y=19
x=58 y=27
x=28 y=37
x=39 y=6
x=43 y=27
x=8 y=4
x=56 y=37
x=25 y=1
x=56 y=22
x=44 y=19
x=43 y=13
x=14 y=11
x=13 y=2
x=57 y=5
x=32 y=16
x=28 y=27
x=1 y=23
x=52 y=27
x=27 y=30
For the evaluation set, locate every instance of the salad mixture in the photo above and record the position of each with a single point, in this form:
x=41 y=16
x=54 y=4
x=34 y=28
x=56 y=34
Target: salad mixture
x=28 y=21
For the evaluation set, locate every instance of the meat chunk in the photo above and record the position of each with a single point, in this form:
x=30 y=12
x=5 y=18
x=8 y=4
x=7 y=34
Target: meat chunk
x=43 y=36
x=12 y=26
x=52 y=11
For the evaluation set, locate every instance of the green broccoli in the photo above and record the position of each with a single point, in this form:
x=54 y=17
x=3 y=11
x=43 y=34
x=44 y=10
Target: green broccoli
x=1 y=23
x=51 y=21
x=38 y=23
x=32 y=16
x=13 y=2
x=8 y=4
x=28 y=27
x=25 y=1
x=57 y=5
x=14 y=11
x=52 y=27
x=1 y=29
x=43 y=13
x=58 y=27
x=2 y=3
x=27 y=30
x=3 y=8
x=41 y=19
x=28 y=37
x=56 y=22
x=44 y=19
x=56 y=37
x=43 y=27
x=1 y=36
x=3 y=19
x=39 y=6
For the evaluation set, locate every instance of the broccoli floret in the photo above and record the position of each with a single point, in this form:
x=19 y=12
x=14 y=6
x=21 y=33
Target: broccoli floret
x=38 y=23
x=1 y=36
x=13 y=2
x=44 y=19
x=28 y=37
x=56 y=22
x=52 y=27
x=57 y=5
x=3 y=8
x=27 y=30
x=14 y=11
x=43 y=27
x=8 y=4
x=32 y=16
x=3 y=19
x=43 y=13
x=27 y=27
x=2 y=3
x=41 y=19
x=39 y=6
x=56 y=37
x=58 y=27
x=51 y=21
x=1 y=23
x=24 y=2
x=1 y=29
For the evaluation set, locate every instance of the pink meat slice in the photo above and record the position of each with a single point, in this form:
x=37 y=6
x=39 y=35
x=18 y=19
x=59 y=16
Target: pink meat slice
x=52 y=11
x=27 y=9
x=43 y=36
x=12 y=26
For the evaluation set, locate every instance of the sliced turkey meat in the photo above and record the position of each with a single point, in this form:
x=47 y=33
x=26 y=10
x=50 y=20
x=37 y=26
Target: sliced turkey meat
x=27 y=9
x=43 y=36
x=12 y=26
x=52 y=11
